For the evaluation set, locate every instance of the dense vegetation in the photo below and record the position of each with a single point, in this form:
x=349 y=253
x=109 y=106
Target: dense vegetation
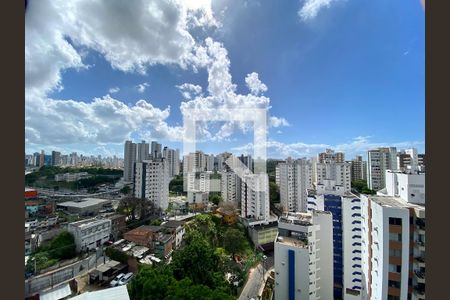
x=137 y=208
x=198 y=269
x=60 y=247
x=45 y=177
x=215 y=197
x=361 y=187
x=176 y=185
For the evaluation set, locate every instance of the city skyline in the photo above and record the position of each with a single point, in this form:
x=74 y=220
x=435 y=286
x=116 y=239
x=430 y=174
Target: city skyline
x=359 y=63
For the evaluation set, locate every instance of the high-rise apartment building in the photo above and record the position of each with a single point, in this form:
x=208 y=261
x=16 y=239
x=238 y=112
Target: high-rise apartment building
x=304 y=256
x=408 y=160
x=255 y=203
x=56 y=158
x=359 y=168
x=247 y=160
x=330 y=156
x=156 y=150
x=142 y=151
x=173 y=159
x=151 y=181
x=393 y=232
x=295 y=180
x=338 y=172
x=42 y=159
x=209 y=164
x=346 y=214
x=378 y=161
x=230 y=189
x=129 y=161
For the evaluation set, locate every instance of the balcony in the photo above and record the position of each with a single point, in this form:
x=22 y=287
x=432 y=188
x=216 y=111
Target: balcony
x=419 y=292
x=419 y=262
x=420 y=276
x=419 y=245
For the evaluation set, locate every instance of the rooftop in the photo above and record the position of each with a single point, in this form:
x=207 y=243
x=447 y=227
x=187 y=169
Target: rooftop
x=86 y=222
x=389 y=201
x=114 y=293
x=297 y=218
x=295 y=242
x=173 y=224
x=86 y=202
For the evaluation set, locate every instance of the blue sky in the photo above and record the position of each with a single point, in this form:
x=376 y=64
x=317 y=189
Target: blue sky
x=346 y=74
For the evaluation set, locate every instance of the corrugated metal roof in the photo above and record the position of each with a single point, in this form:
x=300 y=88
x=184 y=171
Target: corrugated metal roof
x=57 y=293
x=114 y=293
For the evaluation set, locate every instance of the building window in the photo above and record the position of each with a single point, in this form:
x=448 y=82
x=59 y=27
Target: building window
x=395 y=221
x=395 y=236
x=394 y=284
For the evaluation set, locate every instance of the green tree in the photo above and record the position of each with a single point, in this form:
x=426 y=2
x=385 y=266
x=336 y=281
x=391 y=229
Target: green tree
x=215 y=198
x=116 y=255
x=198 y=261
x=204 y=226
x=62 y=246
x=274 y=192
x=151 y=283
x=176 y=185
x=234 y=241
x=125 y=190
x=185 y=289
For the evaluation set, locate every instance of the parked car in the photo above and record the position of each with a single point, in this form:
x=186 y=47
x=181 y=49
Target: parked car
x=116 y=280
x=125 y=279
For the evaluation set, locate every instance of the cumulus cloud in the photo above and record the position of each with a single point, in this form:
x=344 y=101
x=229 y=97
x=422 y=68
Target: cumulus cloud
x=114 y=90
x=141 y=87
x=254 y=84
x=189 y=90
x=278 y=122
x=221 y=92
x=104 y=120
x=311 y=8
x=357 y=146
x=131 y=36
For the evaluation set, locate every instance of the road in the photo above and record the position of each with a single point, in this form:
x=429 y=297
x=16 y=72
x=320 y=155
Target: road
x=51 y=193
x=255 y=278
x=254 y=283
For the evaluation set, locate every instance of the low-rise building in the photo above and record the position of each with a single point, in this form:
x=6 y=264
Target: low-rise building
x=71 y=177
x=86 y=206
x=153 y=237
x=176 y=228
x=118 y=226
x=91 y=233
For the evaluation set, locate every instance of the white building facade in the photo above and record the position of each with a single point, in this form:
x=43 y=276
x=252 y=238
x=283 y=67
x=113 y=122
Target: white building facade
x=90 y=234
x=304 y=256
x=294 y=181
x=255 y=203
x=393 y=247
x=151 y=181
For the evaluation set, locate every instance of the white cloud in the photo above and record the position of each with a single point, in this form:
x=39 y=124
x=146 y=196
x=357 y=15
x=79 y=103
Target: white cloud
x=254 y=84
x=311 y=8
x=189 y=90
x=114 y=90
x=221 y=91
x=131 y=35
x=357 y=146
x=278 y=122
x=141 y=87
x=104 y=120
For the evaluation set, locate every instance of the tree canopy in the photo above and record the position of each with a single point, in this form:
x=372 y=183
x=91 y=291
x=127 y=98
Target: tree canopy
x=234 y=241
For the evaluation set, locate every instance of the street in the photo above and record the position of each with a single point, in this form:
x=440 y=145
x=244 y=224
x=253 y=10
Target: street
x=255 y=280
